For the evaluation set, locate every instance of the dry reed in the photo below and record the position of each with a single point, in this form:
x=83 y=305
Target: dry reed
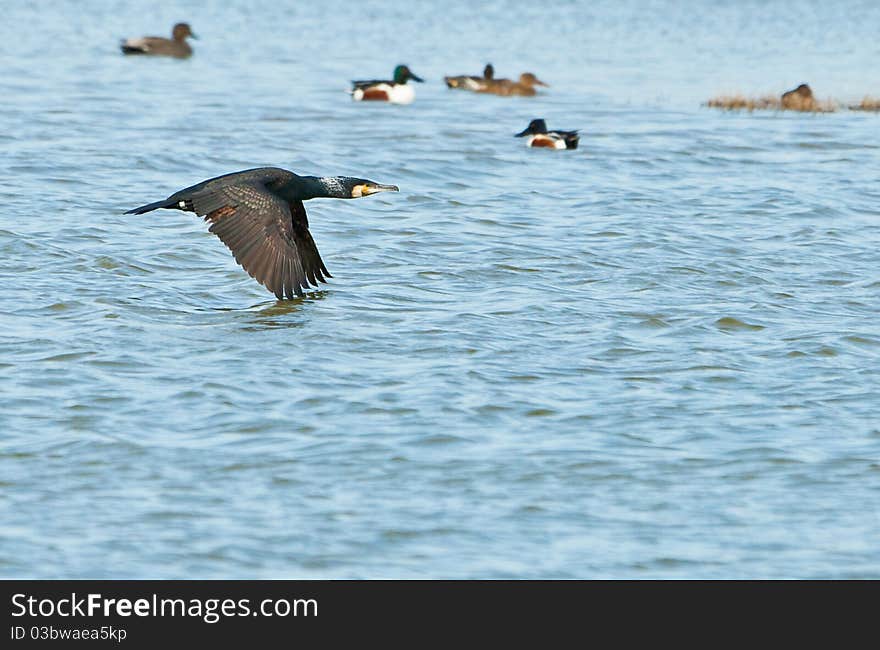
x=770 y=103
x=867 y=104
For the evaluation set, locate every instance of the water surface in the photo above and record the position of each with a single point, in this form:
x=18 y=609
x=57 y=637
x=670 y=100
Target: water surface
x=656 y=356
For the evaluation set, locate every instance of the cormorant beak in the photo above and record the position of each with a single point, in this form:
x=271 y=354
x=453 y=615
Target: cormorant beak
x=366 y=189
x=526 y=131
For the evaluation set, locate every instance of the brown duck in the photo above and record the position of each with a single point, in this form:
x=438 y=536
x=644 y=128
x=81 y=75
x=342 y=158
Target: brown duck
x=524 y=87
x=175 y=46
x=799 y=99
x=465 y=82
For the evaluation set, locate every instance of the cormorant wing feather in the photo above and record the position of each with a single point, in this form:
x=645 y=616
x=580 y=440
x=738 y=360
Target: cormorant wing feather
x=260 y=176
x=258 y=227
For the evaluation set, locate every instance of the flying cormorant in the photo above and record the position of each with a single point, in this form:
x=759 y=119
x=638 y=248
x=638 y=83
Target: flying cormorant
x=259 y=215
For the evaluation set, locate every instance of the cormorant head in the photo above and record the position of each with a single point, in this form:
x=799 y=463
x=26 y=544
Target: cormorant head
x=181 y=31
x=355 y=188
x=534 y=127
x=402 y=74
x=488 y=71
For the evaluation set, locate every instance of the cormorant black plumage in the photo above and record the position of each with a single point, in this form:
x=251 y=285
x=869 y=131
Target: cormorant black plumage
x=259 y=215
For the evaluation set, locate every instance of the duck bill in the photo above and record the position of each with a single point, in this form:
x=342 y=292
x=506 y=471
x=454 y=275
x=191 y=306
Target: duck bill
x=523 y=133
x=416 y=78
x=538 y=82
x=191 y=35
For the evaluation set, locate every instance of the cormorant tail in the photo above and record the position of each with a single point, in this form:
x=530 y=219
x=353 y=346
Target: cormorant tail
x=164 y=203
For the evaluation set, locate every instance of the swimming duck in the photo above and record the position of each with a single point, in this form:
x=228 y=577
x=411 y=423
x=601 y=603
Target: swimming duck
x=176 y=46
x=799 y=99
x=396 y=91
x=259 y=215
x=523 y=87
x=539 y=136
x=471 y=83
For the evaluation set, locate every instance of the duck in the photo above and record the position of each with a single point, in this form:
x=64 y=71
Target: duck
x=523 y=87
x=464 y=82
x=799 y=99
x=176 y=46
x=539 y=136
x=259 y=215
x=396 y=91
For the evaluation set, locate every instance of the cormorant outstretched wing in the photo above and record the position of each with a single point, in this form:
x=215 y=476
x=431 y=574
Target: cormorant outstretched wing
x=268 y=235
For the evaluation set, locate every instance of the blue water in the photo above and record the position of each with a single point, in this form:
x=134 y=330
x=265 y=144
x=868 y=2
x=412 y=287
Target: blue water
x=657 y=356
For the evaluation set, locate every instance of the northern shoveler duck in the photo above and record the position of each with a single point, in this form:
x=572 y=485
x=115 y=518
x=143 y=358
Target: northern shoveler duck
x=539 y=136
x=524 y=87
x=471 y=83
x=175 y=46
x=799 y=99
x=259 y=215
x=396 y=91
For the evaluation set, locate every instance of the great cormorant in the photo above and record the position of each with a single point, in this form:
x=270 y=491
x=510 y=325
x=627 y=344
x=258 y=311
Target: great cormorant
x=259 y=215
